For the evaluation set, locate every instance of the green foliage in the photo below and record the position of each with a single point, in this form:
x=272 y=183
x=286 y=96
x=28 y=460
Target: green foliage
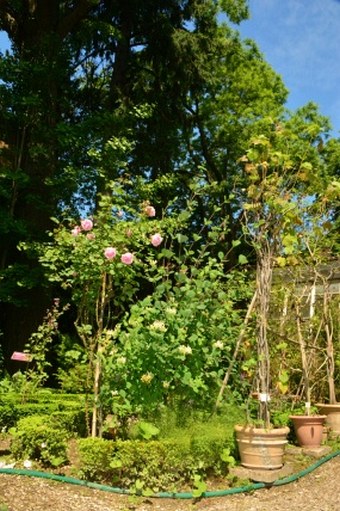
x=38 y=438
x=176 y=344
x=189 y=421
x=65 y=410
x=199 y=486
x=19 y=385
x=73 y=371
x=102 y=263
x=285 y=188
x=75 y=379
x=163 y=329
x=158 y=465
x=76 y=260
x=39 y=344
x=8 y=416
x=95 y=457
x=197 y=91
x=188 y=449
x=144 y=430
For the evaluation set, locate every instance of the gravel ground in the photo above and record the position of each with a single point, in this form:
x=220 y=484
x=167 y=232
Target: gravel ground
x=318 y=491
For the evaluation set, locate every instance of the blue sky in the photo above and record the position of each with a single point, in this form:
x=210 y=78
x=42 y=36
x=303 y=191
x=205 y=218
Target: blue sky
x=4 y=43
x=301 y=41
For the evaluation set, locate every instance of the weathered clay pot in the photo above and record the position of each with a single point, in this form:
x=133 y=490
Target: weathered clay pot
x=261 y=448
x=308 y=429
x=332 y=412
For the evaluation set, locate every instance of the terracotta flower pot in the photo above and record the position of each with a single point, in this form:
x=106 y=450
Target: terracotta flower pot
x=308 y=429
x=261 y=448
x=332 y=412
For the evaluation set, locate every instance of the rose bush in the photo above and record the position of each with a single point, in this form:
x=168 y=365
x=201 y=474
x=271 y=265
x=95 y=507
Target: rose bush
x=156 y=326
x=102 y=263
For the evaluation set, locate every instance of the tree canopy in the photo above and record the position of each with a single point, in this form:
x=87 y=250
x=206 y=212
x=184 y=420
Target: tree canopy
x=160 y=95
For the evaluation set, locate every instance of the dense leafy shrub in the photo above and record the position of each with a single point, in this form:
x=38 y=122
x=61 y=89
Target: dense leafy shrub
x=162 y=464
x=64 y=408
x=176 y=344
x=73 y=369
x=8 y=416
x=73 y=421
x=95 y=457
x=75 y=378
x=157 y=464
x=37 y=438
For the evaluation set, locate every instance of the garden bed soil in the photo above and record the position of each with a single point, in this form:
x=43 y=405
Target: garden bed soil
x=316 y=491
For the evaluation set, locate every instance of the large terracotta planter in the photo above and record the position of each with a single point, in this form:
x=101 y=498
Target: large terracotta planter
x=308 y=429
x=261 y=448
x=332 y=412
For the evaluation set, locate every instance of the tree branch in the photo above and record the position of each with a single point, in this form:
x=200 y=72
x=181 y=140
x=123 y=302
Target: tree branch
x=8 y=22
x=68 y=23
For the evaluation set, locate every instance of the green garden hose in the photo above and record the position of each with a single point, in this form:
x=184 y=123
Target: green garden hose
x=171 y=495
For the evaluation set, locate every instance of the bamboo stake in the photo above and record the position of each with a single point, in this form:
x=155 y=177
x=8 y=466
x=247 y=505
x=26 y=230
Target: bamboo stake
x=236 y=350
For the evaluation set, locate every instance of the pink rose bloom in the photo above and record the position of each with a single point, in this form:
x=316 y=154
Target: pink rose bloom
x=150 y=211
x=156 y=239
x=127 y=258
x=90 y=236
x=86 y=224
x=128 y=233
x=110 y=252
x=76 y=230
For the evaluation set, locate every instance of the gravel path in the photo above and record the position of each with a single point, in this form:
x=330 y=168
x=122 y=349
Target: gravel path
x=318 y=491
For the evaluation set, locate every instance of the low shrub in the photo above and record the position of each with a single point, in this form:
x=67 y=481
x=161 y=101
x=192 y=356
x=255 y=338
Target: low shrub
x=8 y=416
x=37 y=438
x=155 y=465
x=73 y=421
x=95 y=457
x=158 y=465
x=69 y=409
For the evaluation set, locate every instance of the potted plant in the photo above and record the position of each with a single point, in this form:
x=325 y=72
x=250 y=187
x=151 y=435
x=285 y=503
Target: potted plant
x=308 y=426
x=332 y=408
x=321 y=323
x=267 y=213
x=282 y=188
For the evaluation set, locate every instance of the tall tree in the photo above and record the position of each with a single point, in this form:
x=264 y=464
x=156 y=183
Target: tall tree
x=36 y=79
x=75 y=71
x=163 y=78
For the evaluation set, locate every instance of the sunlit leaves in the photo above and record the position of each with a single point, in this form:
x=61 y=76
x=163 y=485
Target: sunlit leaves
x=242 y=259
